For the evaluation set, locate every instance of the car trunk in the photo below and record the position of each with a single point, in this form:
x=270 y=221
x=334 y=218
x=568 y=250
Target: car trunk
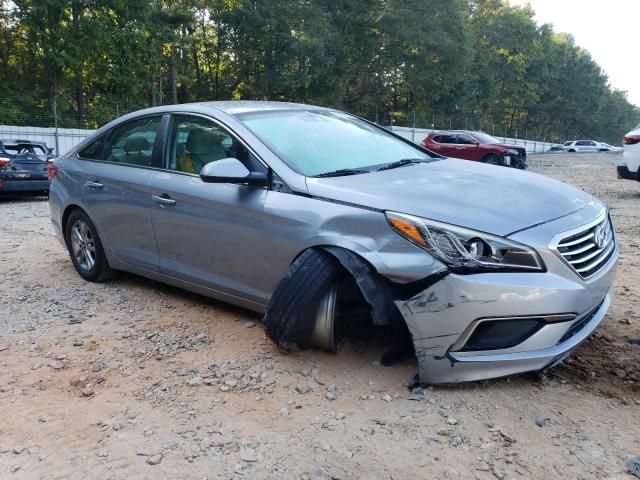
x=28 y=166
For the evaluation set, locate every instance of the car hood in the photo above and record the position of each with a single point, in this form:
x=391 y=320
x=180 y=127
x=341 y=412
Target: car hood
x=487 y=198
x=515 y=147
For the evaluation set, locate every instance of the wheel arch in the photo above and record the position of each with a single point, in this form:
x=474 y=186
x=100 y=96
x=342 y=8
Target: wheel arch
x=493 y=152
x=67 y=213
x=379 y=291
x=65 y=217
x=290 y=323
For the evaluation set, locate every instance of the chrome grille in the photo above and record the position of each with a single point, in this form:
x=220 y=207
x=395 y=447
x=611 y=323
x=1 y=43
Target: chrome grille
x=589 y=250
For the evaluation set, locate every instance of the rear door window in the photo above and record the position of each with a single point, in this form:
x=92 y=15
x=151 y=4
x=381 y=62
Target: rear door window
x=447 y=139
x=132 y=143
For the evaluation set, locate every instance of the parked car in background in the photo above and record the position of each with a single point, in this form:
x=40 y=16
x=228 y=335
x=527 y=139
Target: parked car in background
x=23 y=166
x=477 y=146
x=556 y=149
x=581 y=146
x=280 y=207
x=629 y=164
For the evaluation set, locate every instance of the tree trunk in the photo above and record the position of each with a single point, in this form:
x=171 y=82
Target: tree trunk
x=173 y=75
x=78 y=81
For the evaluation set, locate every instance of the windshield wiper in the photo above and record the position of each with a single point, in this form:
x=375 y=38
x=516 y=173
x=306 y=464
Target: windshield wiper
x=399 y=163
x=342 y=173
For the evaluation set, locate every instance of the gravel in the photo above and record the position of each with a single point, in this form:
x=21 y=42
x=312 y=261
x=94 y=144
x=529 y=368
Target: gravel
x=191 y=386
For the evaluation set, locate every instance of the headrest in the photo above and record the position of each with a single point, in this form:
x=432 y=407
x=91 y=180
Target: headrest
x=201 y=142
x=136 y=144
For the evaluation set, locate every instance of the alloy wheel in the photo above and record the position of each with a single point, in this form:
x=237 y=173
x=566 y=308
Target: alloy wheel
x=83 y=245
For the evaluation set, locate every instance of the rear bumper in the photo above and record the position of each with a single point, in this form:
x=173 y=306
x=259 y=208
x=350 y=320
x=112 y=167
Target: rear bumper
x=625 y=174
x=8 y=185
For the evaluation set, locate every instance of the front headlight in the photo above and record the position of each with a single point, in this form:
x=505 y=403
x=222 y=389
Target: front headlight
x=511 y=151
x=463 y=250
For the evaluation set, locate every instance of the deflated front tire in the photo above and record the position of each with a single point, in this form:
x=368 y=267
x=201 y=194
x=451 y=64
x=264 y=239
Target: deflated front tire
x=290 y=317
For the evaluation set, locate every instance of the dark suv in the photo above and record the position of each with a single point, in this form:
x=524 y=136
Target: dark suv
x=23 y=166
x=477 y=146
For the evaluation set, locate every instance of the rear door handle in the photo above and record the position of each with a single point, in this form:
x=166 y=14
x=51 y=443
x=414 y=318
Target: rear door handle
x=163 y=200
x=96 y=185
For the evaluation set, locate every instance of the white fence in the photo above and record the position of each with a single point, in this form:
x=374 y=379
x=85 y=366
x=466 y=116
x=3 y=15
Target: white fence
x=61 y=140
x=418 y=134
x=64 y=139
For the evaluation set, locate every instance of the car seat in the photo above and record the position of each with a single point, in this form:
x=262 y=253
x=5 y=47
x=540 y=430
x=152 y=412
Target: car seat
x=202 y=147
x=134 y=150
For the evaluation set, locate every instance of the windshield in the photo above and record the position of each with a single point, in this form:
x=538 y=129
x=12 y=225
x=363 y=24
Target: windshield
x=318 y=142
x=484 y=138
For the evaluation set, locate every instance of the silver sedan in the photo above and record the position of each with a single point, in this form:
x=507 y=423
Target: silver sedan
x=318 y=218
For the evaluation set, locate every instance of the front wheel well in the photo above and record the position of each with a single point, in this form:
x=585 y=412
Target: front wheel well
x=291 y=314
x=494 y=158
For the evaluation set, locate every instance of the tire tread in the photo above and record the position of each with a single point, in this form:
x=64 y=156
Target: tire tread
x=291 y=311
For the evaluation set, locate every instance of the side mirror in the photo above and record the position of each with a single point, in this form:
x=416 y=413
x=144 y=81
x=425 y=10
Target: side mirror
x=231 y=170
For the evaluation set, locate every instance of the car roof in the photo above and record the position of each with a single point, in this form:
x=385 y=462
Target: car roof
x=236 y=107
x=231 y=107
x=469 y=132
x=446 y=132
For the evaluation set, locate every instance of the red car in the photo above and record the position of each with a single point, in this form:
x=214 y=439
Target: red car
x=477 y=146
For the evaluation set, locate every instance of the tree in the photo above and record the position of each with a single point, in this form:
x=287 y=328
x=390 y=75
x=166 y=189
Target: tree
x=461 y=63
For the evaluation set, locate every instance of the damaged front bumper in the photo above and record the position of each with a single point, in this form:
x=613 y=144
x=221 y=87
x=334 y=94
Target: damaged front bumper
x=480 y=326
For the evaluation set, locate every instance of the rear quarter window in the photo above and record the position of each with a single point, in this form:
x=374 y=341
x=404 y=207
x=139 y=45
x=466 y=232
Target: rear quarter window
x=95 y=150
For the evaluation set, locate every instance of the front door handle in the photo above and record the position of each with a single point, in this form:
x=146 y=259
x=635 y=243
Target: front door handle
x=163 y=200
x=94 y=185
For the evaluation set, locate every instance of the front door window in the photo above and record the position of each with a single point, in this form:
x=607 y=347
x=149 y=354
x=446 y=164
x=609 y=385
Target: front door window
x=197 y=141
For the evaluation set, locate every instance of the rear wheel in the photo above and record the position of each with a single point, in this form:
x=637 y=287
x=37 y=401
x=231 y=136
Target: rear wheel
x=85 y=248
x=492 y=159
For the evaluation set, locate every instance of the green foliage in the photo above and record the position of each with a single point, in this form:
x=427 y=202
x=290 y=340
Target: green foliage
x=460 y=63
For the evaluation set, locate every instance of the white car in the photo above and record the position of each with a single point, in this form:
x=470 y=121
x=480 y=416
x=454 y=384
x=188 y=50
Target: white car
x=584 y=146
x=629 y=164
x=610 y=148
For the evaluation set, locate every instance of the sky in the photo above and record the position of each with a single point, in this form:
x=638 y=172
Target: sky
x=609 y=30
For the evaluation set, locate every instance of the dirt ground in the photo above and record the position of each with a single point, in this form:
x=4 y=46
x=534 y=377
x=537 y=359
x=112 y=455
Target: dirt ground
x=133 y=379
